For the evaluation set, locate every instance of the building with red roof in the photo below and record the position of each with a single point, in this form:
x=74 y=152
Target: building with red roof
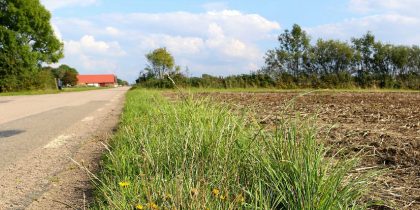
x=97 y=80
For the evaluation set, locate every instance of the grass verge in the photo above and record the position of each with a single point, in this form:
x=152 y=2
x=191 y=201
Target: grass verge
x=198 y=155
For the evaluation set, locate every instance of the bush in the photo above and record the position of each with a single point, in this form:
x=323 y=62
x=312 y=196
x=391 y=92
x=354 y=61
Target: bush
x=29 y=80
x=341 y=79
x=408 y=81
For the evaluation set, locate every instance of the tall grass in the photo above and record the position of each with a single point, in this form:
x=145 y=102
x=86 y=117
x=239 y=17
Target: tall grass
x=194 y=154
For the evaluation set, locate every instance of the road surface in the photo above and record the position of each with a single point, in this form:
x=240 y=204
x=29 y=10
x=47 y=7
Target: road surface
x=39 y=134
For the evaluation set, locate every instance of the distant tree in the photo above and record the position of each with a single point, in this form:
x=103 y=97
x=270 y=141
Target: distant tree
x=160 y=62
x=70 y=78
x=364 y=53
x=122 y=82
x=66 y=74
x=414 y=60
x=26 y=41
x=292 y=56
x=382 y=59
x=401 y=57
x=365 y=59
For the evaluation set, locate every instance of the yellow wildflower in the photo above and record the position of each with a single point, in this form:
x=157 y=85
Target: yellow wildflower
x=139 y=207
x=240 y=198
x=194 y=192
x=153 y=206
x=222 y=197
x=124 y=184
x=215 y=192
x=168 y=196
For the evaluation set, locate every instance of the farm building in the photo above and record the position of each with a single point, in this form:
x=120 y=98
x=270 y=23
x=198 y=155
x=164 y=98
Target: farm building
x=97 y=80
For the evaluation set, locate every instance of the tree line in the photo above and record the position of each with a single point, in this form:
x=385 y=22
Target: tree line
x=296 y=63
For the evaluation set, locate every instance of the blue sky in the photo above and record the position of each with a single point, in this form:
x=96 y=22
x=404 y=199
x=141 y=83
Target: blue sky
x=214 y=37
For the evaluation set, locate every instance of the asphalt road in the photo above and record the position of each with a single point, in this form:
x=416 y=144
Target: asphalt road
x=33 y=126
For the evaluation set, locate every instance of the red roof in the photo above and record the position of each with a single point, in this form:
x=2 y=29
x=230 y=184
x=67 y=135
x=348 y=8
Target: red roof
x=98 y=78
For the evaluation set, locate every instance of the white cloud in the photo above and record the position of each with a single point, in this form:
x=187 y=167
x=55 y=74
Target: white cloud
x=234 y=23
x=113 y=31
x=91 y=55
x=394 y=21
x=396 y=6
x=100 y=65
x=57 y=31
x=223 y=42
x=57 y=4
x=389 y=28
x=176 y=44
x=229 y=46
x=88 y=45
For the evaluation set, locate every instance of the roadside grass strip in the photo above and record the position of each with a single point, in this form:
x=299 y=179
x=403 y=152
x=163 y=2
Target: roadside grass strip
x=195 y=154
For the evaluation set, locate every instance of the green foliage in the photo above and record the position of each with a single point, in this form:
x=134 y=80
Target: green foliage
x=36 y=80
x=198 y=155
x=364 y=63
x=122 y=82
x=331 y=57
x=70 y=78
x=252 y=80
x=66 y=74
x=292 y=56
x=26 y=41
x=161 y=62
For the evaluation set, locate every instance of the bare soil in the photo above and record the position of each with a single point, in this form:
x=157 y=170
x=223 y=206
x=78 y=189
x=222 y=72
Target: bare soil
x=383 y=127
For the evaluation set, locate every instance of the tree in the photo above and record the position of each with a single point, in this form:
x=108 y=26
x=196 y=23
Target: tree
x=292 y=56
x=26 y=41
x=365 y=59
x=400 y=58
x=364 y=52
x=70 y=78
x=414 y=60
x=160 y=62
x=122 y=82
x=66 y=74
x=331 y=57
x=382 y=59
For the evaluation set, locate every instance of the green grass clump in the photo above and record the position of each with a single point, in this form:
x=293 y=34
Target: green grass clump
x=198 y=155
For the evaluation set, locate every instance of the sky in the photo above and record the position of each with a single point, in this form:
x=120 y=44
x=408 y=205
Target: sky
x=214 y=37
